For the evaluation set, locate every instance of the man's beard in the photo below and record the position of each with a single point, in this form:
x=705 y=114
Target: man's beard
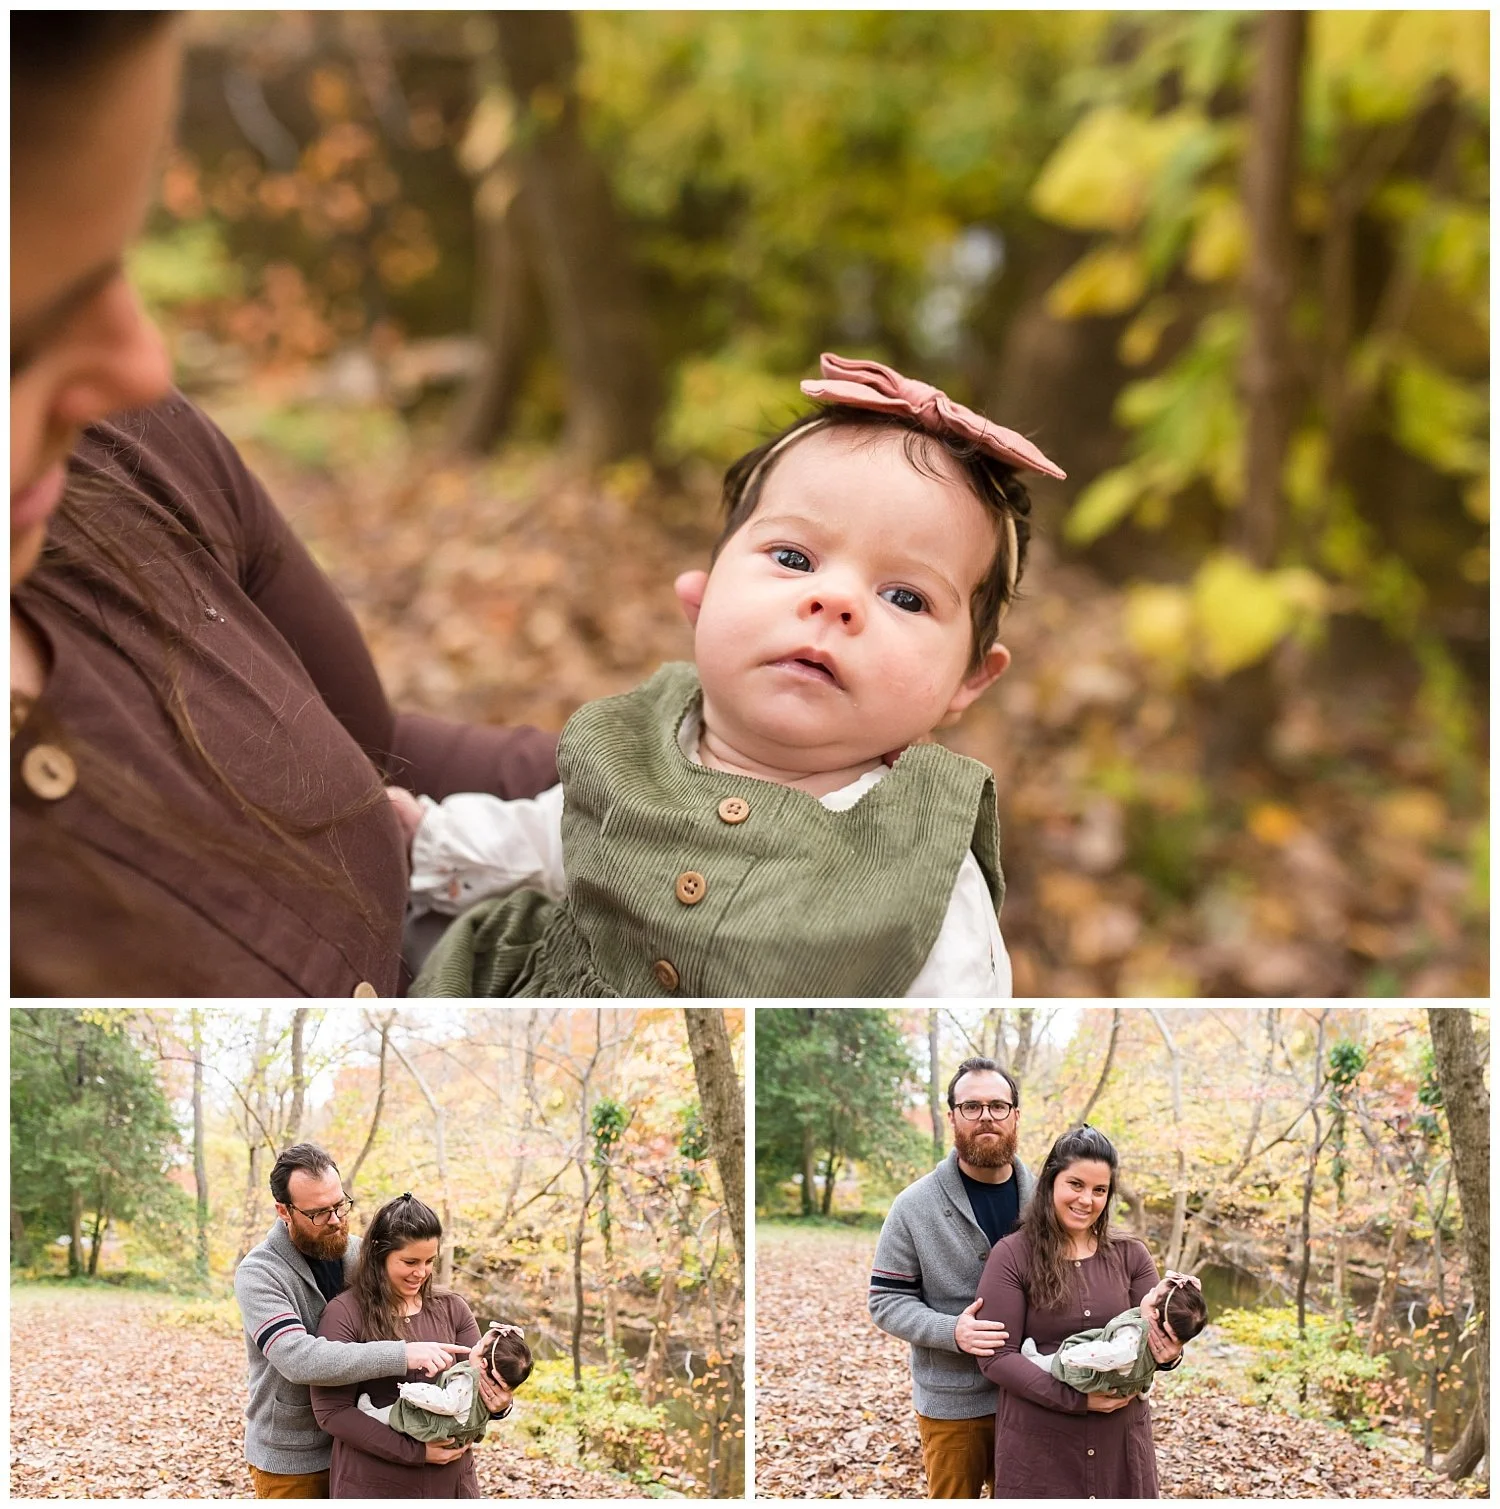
x=325 y=1248
x=981 y=1151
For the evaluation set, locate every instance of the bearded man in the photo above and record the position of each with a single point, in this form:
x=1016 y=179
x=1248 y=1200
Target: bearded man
x=282 y=1286
x=931 y=1252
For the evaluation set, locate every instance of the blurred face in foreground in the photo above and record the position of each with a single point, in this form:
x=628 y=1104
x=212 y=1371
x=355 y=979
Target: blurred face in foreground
x=81 y=346
x=834 y=627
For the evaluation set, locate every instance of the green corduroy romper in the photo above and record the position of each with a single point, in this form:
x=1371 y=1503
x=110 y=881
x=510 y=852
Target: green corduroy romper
x=1121 y=1382
x=692 y=881
x=423 y=1425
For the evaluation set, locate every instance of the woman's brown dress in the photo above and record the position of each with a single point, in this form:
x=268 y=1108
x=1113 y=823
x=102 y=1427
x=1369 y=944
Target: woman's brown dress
x=1047 y=1442
x=370 y=1460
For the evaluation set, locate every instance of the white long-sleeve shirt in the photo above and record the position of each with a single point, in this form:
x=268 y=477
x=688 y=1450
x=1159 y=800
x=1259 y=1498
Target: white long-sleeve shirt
x=473 y=846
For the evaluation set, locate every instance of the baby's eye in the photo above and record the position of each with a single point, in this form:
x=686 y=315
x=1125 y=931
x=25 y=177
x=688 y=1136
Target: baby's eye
x=905 y=599
x=793 y=560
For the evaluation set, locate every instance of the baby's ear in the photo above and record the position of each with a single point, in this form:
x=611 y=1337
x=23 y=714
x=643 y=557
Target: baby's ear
x=689 y=588
x=993 y=667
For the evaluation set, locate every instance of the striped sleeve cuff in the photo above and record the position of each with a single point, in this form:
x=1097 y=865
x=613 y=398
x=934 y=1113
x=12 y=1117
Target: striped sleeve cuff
x=278 y=1326
x=899 y=1283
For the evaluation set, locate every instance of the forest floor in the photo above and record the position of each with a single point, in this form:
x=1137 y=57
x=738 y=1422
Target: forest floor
x=85 y=1422
x=512 y=590
x=833 y=1415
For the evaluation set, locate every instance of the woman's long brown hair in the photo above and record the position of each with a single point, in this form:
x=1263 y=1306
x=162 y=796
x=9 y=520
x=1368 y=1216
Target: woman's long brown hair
x=397 y=1224
x=1050 y=1282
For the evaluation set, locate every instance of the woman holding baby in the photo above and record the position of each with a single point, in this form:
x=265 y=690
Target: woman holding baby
x=1059 y=1274
x=393 y=1298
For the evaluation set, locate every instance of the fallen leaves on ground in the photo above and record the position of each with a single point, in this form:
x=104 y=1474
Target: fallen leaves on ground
x=834 y=1418
x=109 y=1399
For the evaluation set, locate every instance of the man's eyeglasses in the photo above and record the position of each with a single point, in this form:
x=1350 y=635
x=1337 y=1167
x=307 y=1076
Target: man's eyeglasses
x=327 y=1213
x=972 y=1110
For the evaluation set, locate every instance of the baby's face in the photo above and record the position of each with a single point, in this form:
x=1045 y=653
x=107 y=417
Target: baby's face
x=834 y=627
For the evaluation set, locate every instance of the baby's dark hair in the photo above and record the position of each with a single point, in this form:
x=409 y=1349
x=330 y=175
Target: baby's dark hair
x=1185 y=1311
x=507 y=1357
x=997 y=486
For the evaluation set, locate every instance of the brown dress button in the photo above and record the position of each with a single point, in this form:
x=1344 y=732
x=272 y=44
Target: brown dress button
x=49 y=771
x=666 y=976
x=691 y=888
x=365 y=991
x=734 y=809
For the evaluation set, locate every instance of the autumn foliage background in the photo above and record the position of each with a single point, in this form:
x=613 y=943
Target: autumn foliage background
x=490 y=300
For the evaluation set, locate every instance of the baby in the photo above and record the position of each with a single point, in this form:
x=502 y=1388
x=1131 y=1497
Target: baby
x=452 y=1408
x=773 y=819
x=1116 y=1358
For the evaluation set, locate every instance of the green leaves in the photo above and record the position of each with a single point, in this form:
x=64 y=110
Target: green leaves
x=1228 y=617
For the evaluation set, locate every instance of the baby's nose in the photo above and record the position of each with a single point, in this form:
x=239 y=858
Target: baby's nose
x=833 y=602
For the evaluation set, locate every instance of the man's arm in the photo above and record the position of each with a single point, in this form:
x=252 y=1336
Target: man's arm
x=896 y=1301
x=273 y=1325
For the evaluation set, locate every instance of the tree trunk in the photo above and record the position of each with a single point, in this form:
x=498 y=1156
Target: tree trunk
x=1222 y=1187
x=653 y=1374
x=528 y=1116
x=1269 y=191
x=1244 y=704
x=1021 y=1059
x=75 y=1233
x=934 y=1084
x=299 y=1076
x=1179 y=1196
x=440 y=1147
x=722 y=1101
x=101 y=1223
x=809 y=1170
x=1466 y=1103
x=507 y=311
x=1109 y=1059
x=383 y=1024
x=255 y=1131
x=1390 y=1276
x=200 y=1161
x=1308 y=1178
x=595 y=305
x=829 y=1180
x=20 y=1242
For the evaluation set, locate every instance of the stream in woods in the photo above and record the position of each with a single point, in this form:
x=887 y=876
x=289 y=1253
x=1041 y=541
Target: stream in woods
x=708 y=1416
x=1227 y=1287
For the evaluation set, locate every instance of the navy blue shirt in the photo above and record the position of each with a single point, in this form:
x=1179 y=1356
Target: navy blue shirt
x=997 y=1207
x=328 y=1275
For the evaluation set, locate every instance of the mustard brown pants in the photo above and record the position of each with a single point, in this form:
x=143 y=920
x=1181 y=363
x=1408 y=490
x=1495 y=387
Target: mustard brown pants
x=958 y=1455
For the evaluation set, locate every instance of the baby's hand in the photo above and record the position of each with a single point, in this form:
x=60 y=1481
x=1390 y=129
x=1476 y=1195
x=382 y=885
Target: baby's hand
x=408 y=812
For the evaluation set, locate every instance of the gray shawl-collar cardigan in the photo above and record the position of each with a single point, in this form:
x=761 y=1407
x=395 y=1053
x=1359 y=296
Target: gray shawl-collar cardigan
x=928 y=1261
x=281 y=1305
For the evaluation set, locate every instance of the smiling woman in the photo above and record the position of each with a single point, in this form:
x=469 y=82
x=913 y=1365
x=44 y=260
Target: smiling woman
x=393 y=1298
x=1059 y=1274
x=198 y=735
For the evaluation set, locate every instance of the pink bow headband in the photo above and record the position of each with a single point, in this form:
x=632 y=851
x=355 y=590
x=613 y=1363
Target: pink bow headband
x=871 y=385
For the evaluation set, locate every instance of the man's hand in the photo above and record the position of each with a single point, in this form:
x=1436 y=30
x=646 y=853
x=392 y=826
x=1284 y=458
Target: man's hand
x=431 y=1357
x=439 y=1452
x=408 y=812
x=980 y=1338
x=1103 y=1404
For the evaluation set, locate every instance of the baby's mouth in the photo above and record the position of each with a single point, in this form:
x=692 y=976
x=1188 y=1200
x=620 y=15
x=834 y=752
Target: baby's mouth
x=810 y=666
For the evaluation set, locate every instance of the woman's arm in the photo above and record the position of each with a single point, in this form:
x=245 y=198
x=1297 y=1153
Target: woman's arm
x=337 y=1409
x=1001 y=1289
